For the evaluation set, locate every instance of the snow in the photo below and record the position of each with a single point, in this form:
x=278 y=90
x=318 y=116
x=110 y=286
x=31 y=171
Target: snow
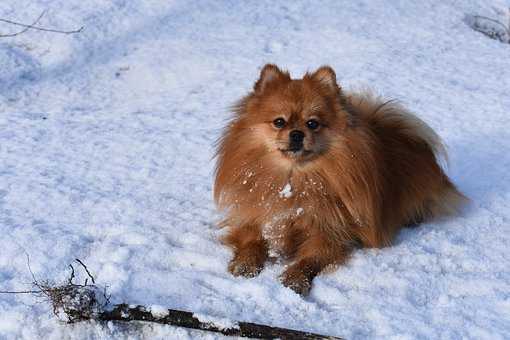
x=221 y=323
x=107 y=139
x=286 y=191
x=158 y=311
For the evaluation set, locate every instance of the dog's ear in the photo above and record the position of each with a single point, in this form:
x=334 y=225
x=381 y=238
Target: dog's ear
x=269 y=74
x=326 y=77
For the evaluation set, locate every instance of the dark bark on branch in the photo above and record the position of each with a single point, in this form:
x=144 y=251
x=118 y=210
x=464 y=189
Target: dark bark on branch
x=179 y=318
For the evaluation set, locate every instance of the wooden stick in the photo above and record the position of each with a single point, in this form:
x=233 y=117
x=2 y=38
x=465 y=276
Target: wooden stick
x=124 y=312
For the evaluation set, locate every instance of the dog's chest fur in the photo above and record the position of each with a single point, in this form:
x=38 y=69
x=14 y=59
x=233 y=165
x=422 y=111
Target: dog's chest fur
x=286 y=210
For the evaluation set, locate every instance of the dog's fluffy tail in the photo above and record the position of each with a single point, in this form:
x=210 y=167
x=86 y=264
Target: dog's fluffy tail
x=442 y=198
x=447 y=202
x=393 y=113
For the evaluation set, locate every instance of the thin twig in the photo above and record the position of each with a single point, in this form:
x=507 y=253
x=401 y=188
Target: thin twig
x=20 y=292
x=23 y=30
x=29 y=268
x=87 y=270
x=70 y=281
x=34 y=27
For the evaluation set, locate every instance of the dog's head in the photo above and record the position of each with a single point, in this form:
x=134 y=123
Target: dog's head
x=294 y=120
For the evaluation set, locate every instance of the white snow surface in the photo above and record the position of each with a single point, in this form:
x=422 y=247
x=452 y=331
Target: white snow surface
x=220 y=323
x=286 y=191
x=107 y=139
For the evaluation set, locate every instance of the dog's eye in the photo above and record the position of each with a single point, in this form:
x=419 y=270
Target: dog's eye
x=279 y=123
x=312 y=124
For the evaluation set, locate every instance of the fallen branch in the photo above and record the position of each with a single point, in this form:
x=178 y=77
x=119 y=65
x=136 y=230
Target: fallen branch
x=492 y=28
x=73 y=302
x=33 y=26
x=173 y=317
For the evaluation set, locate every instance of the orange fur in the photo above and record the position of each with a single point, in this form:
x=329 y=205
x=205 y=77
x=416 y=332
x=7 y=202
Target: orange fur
x=369 y=169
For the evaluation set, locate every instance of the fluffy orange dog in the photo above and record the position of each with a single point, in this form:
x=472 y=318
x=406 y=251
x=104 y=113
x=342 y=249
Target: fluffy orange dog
x=310 y=172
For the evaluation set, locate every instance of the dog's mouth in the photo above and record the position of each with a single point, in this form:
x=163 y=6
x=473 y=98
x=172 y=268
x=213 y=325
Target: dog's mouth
x=295 y=153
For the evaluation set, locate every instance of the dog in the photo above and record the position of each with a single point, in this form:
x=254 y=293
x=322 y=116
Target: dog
x=308 y=172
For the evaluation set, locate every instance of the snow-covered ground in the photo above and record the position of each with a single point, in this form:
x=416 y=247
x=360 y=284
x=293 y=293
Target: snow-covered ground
x=106 y=146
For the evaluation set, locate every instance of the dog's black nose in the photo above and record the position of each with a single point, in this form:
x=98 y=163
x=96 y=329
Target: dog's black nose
x=296 y=140
x=296 y=136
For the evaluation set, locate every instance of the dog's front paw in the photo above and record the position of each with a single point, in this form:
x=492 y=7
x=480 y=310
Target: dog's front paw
x=295 y=279
x=245 y=265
